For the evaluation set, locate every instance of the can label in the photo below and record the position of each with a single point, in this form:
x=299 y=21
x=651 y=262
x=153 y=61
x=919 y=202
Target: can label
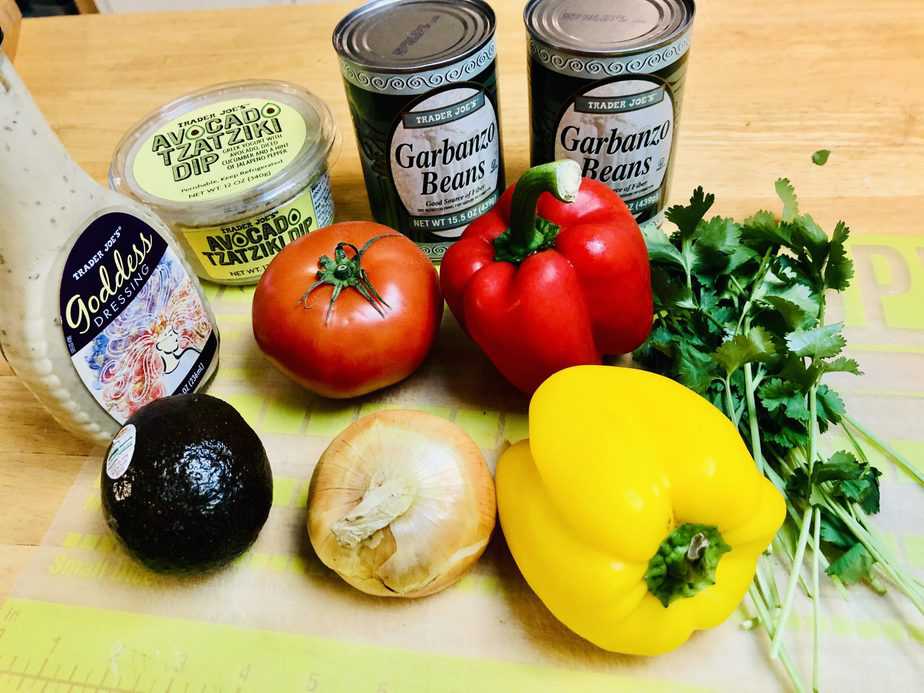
x=134 y=322
x=219 y=149
x=621 y=132
x=239 y=252
x=445 y=159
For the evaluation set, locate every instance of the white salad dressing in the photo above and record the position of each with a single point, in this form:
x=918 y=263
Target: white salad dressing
x=100 y=313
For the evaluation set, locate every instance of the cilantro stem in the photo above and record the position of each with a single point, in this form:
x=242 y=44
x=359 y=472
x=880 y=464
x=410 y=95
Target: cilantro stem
x=749 y=389
x=729 y=402
x=777 y=641
x=816 y=604
x=885 y=447
x=772 y=629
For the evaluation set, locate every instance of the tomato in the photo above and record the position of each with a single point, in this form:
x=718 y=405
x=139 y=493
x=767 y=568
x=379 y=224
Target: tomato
x=374 y=332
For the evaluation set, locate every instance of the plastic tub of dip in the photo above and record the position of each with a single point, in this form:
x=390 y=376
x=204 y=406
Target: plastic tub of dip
x=239 y=170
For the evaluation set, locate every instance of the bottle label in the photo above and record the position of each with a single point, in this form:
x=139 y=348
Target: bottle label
x=621 y=133
x=445 y=159
x=219 y=149
x=134 y=322
x=239 y=252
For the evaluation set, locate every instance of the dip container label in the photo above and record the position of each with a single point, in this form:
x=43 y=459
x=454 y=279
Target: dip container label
x=135 y=327
x=219 y=149
x=422 y=88
x=606 y=84
x=239 y=252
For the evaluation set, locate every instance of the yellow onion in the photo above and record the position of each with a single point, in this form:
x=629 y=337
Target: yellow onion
x=401 y=504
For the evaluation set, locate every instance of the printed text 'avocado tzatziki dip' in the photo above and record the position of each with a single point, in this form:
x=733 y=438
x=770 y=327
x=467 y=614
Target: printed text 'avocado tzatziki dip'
x=239 y=170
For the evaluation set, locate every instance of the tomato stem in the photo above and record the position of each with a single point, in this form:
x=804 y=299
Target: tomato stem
x=346 y=272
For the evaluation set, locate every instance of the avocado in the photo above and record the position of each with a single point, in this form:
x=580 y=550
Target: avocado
x=186 y=484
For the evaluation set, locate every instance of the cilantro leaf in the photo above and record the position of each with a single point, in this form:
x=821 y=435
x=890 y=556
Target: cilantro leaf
x=796 y=304
x=817 y=343
x=762 y=230
x=840 y=365
x=853 y=566
x=756 y=345
x=820 y=158
x=787 y=194
x=660 y=249
x=714 y=243
x=810 y=238
x=830 y=406
x=687 y=218
x=670 y=292
x=839 y=268
x=779 y=395
x=834 y=531
x=694 y=368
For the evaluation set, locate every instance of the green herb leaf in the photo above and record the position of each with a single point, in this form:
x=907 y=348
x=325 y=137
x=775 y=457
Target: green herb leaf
x=786 y=397
x=830 y=406
x=660 y=249
x=835 y=532
x=839 y=269
x=756 y=345
x=820 y=158
x=817 y=343
x=787 y=195
x=840 y=365
x=687 y=218
x=853 y=566
x=795 y=302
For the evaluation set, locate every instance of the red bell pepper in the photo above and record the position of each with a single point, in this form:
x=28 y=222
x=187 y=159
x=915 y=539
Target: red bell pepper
x=556 y=275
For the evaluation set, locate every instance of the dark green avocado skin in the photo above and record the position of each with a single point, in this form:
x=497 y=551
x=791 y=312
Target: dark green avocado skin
x=198 y=489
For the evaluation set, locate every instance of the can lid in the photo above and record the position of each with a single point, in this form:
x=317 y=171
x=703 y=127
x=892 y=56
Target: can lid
x=400 y=36
x=610 y=27
x=212 y=135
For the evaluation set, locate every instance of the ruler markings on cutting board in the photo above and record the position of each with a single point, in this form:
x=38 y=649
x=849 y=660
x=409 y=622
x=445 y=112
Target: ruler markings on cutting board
x=101 y=650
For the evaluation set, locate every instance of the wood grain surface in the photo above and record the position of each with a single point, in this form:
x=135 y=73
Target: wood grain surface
x=769 y=83
x=10 y=21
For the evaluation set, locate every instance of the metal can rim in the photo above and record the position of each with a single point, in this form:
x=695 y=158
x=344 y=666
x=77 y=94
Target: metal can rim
x=660 y=42
x=339 y=30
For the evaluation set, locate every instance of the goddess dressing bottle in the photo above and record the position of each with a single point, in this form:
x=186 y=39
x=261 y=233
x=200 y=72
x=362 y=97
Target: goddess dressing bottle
x=99 y=312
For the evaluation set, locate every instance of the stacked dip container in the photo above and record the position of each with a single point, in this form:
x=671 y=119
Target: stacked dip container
x=422 y=88
x=606 y=83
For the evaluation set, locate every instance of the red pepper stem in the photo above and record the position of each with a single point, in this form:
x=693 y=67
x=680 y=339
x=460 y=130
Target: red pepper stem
x=560 y=178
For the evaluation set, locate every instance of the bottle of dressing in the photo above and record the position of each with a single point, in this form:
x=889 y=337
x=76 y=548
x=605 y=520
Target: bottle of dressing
x=99 y=312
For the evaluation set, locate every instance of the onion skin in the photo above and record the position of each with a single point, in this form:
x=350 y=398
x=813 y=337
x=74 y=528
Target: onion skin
x=428 y=504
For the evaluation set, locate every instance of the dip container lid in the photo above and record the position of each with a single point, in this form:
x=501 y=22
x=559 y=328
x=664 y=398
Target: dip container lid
x=405 y=36
x=607 y=27
x=231 y=189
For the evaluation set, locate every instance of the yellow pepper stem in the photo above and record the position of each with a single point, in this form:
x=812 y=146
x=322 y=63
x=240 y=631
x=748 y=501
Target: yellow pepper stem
x=685 y=563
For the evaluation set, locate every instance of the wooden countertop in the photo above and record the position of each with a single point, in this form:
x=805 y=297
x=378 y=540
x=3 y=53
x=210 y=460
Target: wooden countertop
x=767 y=86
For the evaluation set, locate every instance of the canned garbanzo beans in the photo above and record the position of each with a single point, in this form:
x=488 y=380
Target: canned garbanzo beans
x=606 y=82
x=422 y=88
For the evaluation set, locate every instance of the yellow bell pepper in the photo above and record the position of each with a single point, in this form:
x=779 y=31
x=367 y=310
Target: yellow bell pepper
x=634 y=510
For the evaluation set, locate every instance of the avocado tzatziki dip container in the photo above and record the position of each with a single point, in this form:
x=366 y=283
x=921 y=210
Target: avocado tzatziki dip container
x=421 y=83
x=239 y=170
x=606 y=83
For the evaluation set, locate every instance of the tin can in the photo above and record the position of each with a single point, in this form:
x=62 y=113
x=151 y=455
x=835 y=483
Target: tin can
x=606 y=84
x=422 y=87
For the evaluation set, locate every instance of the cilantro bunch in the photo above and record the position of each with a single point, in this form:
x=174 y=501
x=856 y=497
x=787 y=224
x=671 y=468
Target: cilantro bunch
x=740 y=319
